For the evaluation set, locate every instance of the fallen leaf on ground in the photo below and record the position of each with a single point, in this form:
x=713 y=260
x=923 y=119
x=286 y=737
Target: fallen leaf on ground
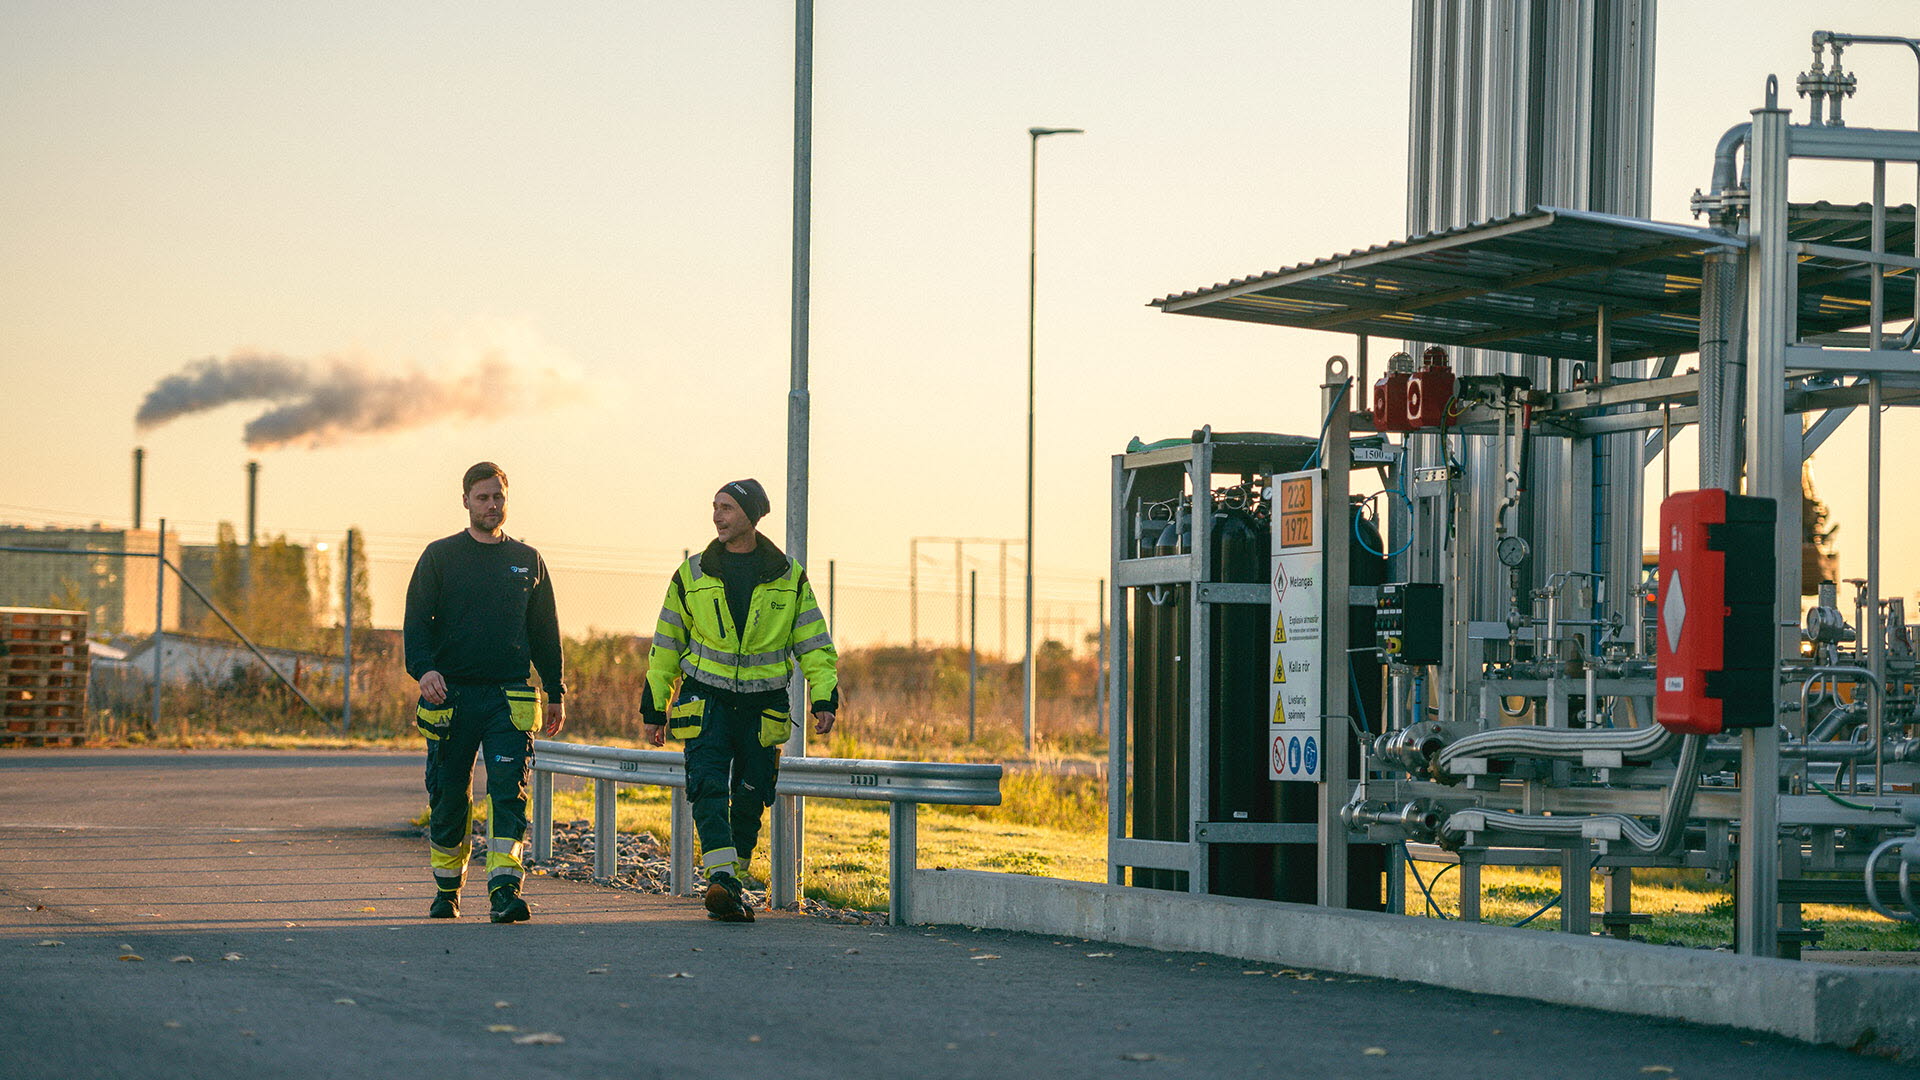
x=1139 y=1055
x=131 y=956
x=171 y=1024
x=1097 y=955
x=369 y=907
x=36 y=907
x=596 y=971
x=497 y=1028
x=345 y=1001
x=1656 y=1068
x=538 y=1038
x=853 y=952
x=984 y=956
x=680 y=975
x=233 y=956
x=753 y=1038
x=49 y=941
x=181 y=959
x=1375 y=1051
x=501 y=1004
x=1253 y=973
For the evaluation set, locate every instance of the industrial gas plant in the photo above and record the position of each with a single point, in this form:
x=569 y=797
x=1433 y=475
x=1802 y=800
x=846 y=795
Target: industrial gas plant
x=1526 y=639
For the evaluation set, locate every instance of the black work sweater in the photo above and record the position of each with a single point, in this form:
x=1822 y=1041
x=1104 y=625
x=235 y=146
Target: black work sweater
x=480 y=613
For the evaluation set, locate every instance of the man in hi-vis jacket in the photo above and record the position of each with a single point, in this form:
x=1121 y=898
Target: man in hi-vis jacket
x=479 y=608
x=738 y=616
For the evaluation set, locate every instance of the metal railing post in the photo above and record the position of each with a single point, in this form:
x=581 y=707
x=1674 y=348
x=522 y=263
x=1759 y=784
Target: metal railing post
x=903 y=855
x=680 y=840
x=541 y=825
x=606 y=838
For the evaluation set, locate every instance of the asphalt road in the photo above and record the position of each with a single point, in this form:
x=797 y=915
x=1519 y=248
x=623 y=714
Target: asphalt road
x=302 y=868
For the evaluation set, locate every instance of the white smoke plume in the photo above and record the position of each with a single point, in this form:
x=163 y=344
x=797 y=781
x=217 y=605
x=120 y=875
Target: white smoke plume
x=319 y=403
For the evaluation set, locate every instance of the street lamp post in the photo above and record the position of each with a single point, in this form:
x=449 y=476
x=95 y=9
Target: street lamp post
x=1033 y=236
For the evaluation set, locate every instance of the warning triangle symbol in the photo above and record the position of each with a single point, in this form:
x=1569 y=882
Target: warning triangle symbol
x=1280 y=668
x=1280 y=630
x=1279 y=709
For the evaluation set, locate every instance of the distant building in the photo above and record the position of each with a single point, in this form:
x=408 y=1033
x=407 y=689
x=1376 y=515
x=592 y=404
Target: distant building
x=116 y=590
x=191 y=658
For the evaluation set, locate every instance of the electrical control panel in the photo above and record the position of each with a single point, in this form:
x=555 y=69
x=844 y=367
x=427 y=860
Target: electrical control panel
x=1408 y=623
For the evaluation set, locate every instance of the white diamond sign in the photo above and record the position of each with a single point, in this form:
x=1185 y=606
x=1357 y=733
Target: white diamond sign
x=1674 y=612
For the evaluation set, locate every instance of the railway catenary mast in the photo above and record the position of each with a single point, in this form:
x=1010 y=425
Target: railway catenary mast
x=1475 y=680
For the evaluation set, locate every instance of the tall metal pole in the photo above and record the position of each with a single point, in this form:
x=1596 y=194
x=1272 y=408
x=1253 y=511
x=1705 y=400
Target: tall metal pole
x=913 y=592
x=832 y=619
x=159 y=621
x=973 y=648
x=784 y=849
x=959 y=562
x=1100 y=661
x=139 y=480
x=1756 y=897
x=1033 y=263
x=1003 y=601
x=346 y=640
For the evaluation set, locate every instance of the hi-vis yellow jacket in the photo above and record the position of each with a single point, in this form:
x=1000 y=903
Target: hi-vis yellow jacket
x=696 y=637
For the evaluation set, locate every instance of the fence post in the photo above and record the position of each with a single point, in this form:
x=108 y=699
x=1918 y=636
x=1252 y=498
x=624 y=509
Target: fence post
x=903 y=855
x=542 y=824
x=159 y=622
x=973 y=647
x=346 y=641
x=606 y=841
x=680 y=840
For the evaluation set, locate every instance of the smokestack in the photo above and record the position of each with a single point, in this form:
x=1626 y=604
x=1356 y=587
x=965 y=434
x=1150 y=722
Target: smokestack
x=139 y=472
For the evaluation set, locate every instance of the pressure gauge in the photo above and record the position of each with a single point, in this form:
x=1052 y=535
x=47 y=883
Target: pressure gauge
x=1513 y=551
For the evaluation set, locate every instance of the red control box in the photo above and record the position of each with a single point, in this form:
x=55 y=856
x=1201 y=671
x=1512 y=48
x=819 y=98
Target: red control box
x=1430 y=390
x=1715 y=664
x=1390 y=401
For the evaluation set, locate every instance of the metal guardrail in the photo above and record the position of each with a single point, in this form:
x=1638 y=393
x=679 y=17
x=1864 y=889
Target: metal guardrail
x=903 y=785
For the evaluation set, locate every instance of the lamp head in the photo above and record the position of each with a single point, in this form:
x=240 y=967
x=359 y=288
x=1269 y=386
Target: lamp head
x=1036 y=132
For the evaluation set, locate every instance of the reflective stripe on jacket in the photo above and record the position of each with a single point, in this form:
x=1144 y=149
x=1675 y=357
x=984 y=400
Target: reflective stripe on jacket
x=696 y=635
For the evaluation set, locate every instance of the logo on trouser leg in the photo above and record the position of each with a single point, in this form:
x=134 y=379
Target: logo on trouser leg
x=505 y=758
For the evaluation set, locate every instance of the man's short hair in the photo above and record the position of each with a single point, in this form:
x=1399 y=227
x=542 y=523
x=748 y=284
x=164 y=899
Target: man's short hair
x=486 y=470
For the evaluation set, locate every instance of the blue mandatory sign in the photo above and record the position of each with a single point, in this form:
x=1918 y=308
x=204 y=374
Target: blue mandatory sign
x=1293 y=754
x=1313 y=754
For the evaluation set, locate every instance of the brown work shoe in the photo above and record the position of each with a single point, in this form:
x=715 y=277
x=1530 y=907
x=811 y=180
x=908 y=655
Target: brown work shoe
x=724 y=902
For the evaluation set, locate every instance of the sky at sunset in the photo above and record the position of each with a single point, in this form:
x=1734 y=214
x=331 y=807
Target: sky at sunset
x=557 y=237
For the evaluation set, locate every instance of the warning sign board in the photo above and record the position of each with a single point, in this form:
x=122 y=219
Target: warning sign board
x=1298 y=608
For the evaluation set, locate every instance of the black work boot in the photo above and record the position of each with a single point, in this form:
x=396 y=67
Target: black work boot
x=724 y=901
x=507 y=904
x=446 y=905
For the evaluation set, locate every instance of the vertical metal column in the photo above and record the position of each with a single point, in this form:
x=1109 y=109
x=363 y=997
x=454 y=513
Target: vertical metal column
x=1337 y=458
x=1768 y=280
x=903 y=855
x=783 y=848
x=1199 y=661
x=606 y=837
x=1576 y=898
x=1117 y=535
x=540 y=816
x=680 y=840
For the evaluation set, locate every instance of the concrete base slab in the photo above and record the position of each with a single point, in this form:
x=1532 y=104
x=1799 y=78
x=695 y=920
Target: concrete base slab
x=1874 y=1009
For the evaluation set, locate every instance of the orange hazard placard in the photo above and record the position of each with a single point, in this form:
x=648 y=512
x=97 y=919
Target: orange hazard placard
x=1296 y=512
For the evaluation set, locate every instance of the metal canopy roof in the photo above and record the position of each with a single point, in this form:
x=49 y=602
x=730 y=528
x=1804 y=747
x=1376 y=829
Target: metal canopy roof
x=1534 y=283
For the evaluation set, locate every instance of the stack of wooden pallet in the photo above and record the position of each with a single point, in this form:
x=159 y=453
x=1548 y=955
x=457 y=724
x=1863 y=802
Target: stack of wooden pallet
x=43 y=676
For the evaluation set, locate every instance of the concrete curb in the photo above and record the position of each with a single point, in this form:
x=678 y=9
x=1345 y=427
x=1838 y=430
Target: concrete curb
x=1816 y=1003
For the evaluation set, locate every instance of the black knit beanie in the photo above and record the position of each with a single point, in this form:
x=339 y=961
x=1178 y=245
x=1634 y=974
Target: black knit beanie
x=751 y=497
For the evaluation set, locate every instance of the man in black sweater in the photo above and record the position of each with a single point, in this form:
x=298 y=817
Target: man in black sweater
x=479 y=608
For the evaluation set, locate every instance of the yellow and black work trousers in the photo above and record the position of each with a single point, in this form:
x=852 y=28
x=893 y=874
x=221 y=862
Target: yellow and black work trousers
x=732 y=764
x=497 y=723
